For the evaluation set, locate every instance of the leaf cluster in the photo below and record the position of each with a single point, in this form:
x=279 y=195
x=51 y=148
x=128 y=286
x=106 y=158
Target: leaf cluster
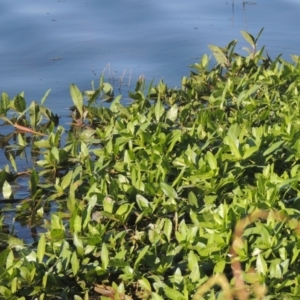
x=150 y=197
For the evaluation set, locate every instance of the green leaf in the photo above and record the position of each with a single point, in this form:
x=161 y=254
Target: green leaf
x=19 y=104
x=142 y=202
x=273 y=148
x=158 y=110
x=218 y=54
x=144 y=284
x=168 y=226
x=45 y=97
x=193 y=199
x=123 y=209
x=219 y=267
x=34 y=114
x=249 y=38
x=67 y=180
x=261 y=265
x=168 y=190
x=10 y=261
x=233 y=143
x=78 y=244
x=77 y=98
x=108 y=204
x=41 y=248
x=74 y=263
x=141 y=255
x=7 y=190
x=155 y=296
x=104 y=256
x=172 y=113
x=114 y=104
x=4 y=104
x=173 y=294
x=3 y=257
x=211 y=160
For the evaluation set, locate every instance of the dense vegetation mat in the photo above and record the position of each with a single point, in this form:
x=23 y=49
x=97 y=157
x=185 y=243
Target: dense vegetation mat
x=189 y=193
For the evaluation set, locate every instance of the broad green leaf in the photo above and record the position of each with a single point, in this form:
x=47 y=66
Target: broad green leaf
x=88 y=211
x=19 y=104
x=74 y=263
x=41 y=248
x=77 y=223
x=275 y=269
x=248 y=152
x=77 y=98
x=141 y=255
x=10 y=262
x=193 y=266
x=173 y=137
x=107 y=88
x=12 y=160
x=123 y=209
x=142 y=202
x=55 y=153
x=218 y=54
x=233 y=143
x=144 y=284
x=168 y=227
x=173 y=294
x=261 y=265
x=244 y=96
x=4 y=104
x=42 y=144
x=108 y=204
x=172 y=113
x=249 y=38
x=192 y=260
x=7 y=190
x=114 y=106
x=78 y=244
x=155 y=296
x=34 y=114
x=168 y=190
x=104 y=256
x=219 y=267
x=67 y=180
x=158 y=110
x=3 y=257
x=211 y=160
x=273 y=148
x=193 y=199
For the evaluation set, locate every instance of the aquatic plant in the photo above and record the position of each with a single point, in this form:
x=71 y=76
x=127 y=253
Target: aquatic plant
x=178 y=193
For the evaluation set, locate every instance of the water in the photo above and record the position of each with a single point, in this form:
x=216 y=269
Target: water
x=157 y=39
x=51 y=44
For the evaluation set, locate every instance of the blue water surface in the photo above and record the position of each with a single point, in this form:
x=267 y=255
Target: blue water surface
x=51 y=44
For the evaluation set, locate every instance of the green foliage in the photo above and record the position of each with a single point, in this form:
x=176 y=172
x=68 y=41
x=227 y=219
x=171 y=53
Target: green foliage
x=150 y=194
